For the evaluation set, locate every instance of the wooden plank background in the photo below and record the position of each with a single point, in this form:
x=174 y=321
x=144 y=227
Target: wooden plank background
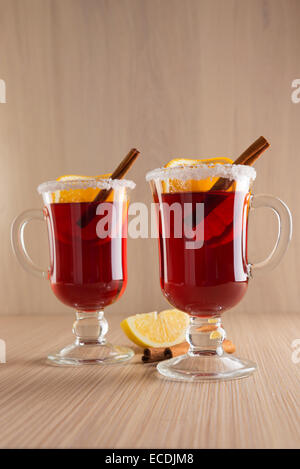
x=88 y=79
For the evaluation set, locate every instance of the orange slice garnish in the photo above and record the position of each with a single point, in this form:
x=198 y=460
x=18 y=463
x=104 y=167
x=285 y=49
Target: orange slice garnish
x=79 y=195
x=201 y=185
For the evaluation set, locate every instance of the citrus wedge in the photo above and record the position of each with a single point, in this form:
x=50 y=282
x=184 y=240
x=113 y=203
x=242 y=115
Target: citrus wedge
x=154 y=329
x=192 y=162
x=201 y=185
x=79 y=195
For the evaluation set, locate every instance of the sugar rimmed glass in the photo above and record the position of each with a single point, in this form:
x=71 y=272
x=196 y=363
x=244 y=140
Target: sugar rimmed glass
x=204 y=268
x=88 y=264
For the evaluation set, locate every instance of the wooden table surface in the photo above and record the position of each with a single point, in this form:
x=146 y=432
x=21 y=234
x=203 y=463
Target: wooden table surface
x=131 y=406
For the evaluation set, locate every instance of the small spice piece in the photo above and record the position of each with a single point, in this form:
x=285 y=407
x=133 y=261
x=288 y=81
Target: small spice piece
x=207 y=328
x=228 y=346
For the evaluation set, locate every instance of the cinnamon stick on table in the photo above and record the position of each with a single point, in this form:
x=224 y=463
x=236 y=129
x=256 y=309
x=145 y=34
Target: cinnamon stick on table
x=161 y=353
x=177 y=350
x=155 y=354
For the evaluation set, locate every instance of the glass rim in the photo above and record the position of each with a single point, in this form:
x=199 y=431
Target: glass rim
x=52 y=186
x=203 y=171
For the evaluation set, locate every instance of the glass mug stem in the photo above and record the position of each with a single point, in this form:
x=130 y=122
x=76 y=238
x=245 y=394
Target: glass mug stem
x=90 y=328
x=205 y=336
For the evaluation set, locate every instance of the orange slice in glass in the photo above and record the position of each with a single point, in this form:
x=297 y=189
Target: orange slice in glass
x=79 y=195
x=201 y=185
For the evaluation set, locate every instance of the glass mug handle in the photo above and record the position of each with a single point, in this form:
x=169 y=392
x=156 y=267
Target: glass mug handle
x=284 y=236
x=18 y=242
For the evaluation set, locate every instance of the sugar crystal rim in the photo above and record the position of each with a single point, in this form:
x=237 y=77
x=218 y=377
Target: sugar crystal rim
x=203 y=171
x=52 y=186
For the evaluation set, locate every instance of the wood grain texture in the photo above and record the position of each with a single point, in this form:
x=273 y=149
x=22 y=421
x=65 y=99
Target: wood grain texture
x=89 y=79
x=131 y=406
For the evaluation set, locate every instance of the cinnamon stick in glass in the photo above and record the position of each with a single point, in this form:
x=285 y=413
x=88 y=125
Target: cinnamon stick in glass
x=248 y=157
x=102 y=195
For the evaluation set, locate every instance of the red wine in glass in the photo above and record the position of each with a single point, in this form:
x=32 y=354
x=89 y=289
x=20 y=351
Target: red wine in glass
x=209 y=279
x=87 y=272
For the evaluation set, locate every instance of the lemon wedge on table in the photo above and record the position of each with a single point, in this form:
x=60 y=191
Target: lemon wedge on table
x=154 y=329
x=201 y=185
x=79 y=195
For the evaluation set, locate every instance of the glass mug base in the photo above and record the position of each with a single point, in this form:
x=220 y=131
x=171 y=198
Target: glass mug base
x=90 y=354
x=206 y=359
x=90 y=346
x=206 y=368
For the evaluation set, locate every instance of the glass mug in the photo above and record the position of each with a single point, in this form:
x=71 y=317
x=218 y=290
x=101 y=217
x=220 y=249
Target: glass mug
x=203 y=258
x=88 y=263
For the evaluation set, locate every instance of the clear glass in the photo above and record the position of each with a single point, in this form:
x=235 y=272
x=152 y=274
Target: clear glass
x=88 y=263
x=204 y=269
